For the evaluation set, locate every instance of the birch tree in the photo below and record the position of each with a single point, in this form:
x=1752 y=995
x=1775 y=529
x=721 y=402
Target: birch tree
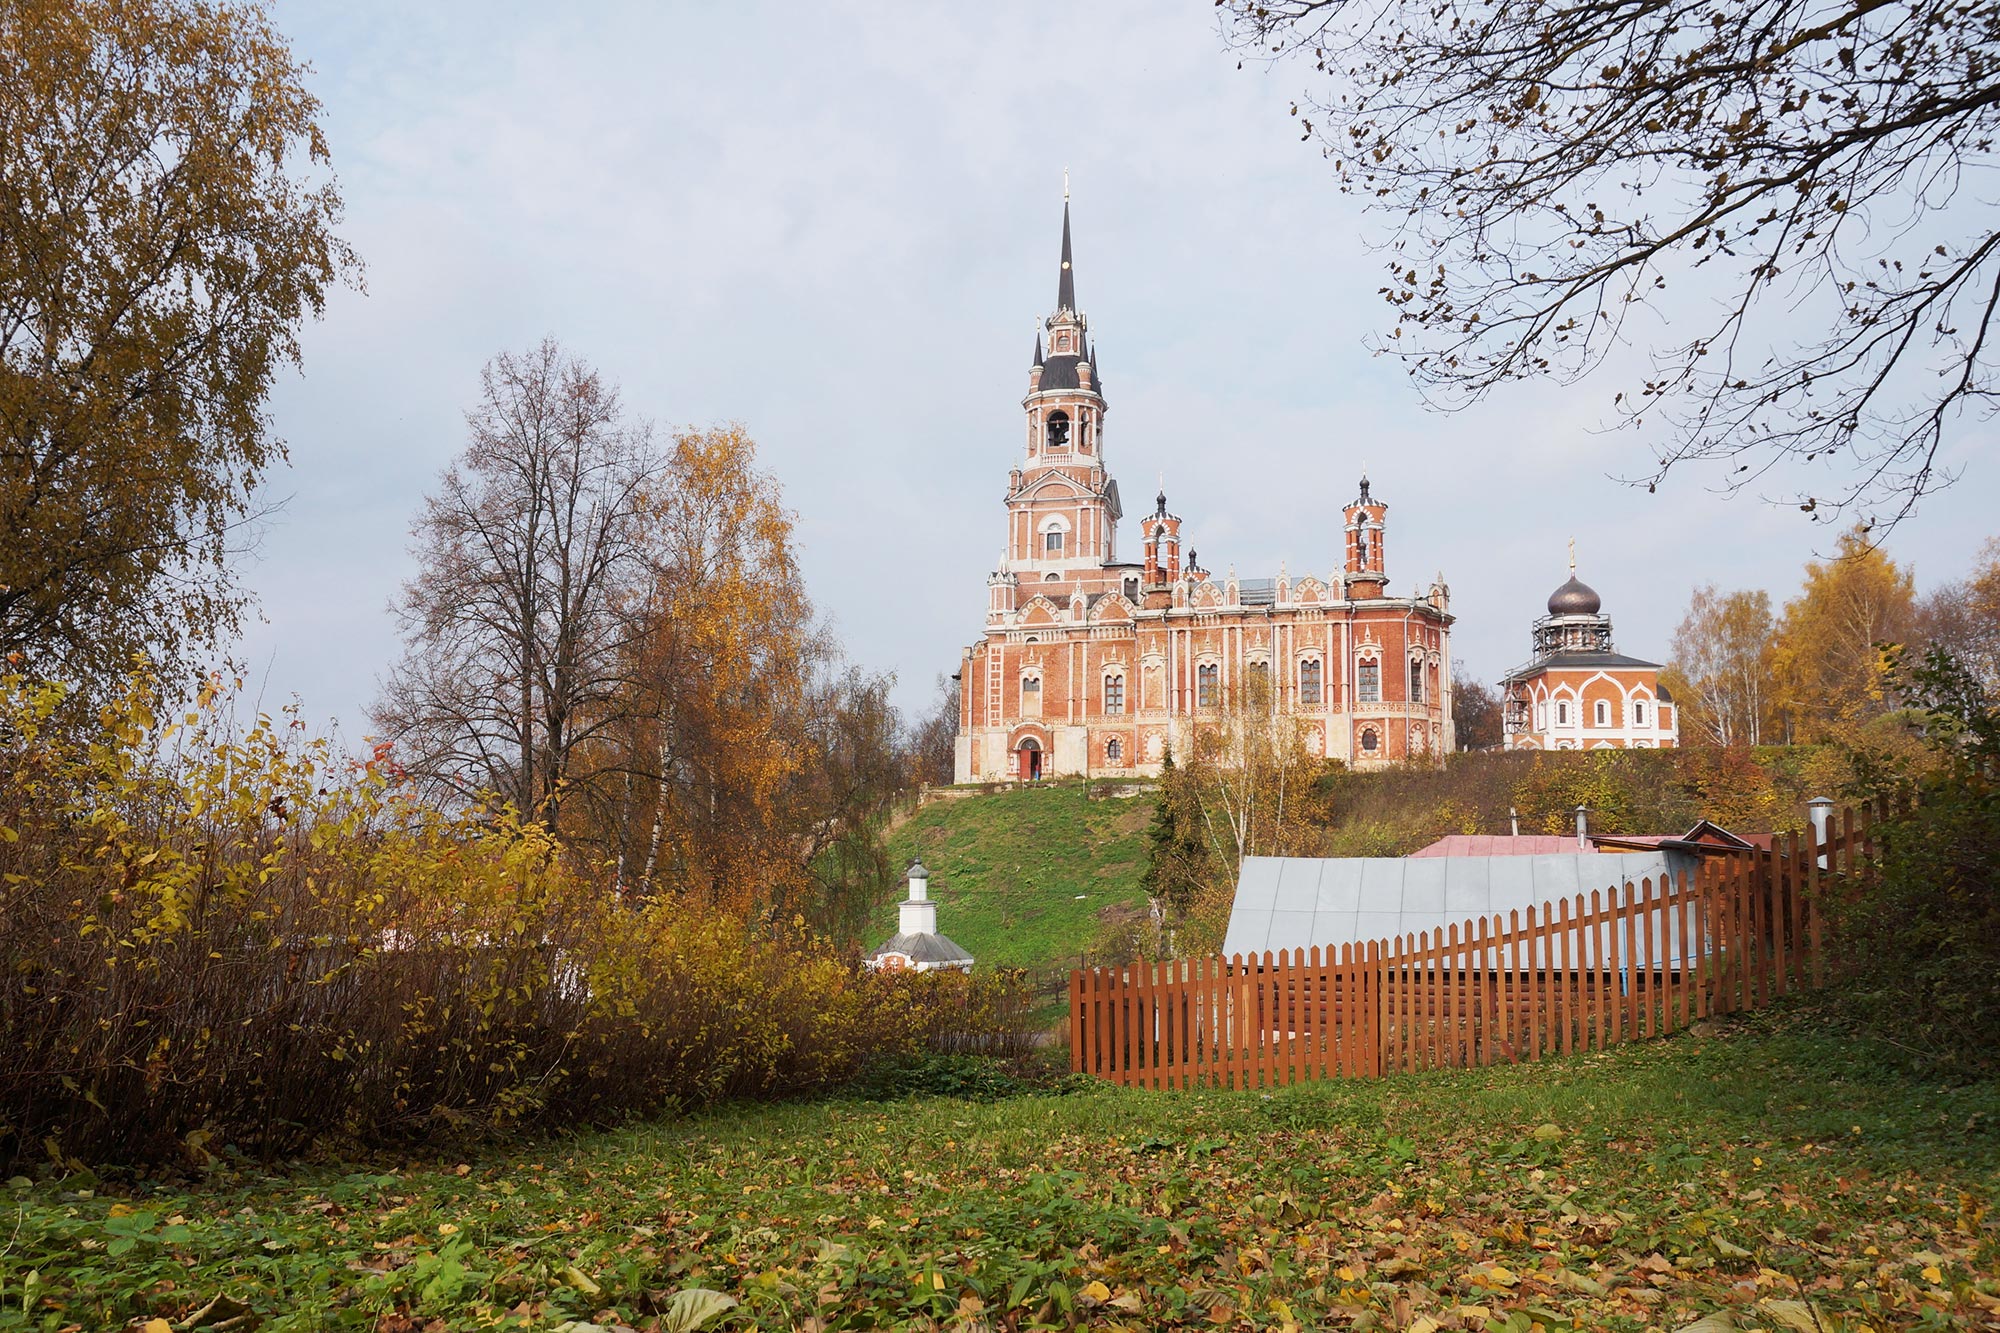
x=166 y=225
x=1722 y=652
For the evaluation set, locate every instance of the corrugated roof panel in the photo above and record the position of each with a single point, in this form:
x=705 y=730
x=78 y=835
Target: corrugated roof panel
x=1423 y=885
x=1257 y=883
x=1468 y=887
x=1355 y=900
x=1339 y=886
x=1298 y=884
x=1381 y=884
x=1289 y=930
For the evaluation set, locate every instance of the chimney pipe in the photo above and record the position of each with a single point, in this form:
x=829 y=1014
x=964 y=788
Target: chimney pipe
x=1583 y=828
x=1514 y=821
x=1820 y=811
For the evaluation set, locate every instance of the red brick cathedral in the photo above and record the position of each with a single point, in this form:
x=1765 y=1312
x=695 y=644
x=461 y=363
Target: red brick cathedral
x=1094 y=666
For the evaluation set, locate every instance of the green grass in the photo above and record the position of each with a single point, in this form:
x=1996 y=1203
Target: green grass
x=1733 y=1172
x=1007 y=869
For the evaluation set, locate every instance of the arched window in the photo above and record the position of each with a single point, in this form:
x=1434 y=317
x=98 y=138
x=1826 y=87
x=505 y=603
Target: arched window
x=1207 y=685
x=1562 y=713
x=1309 y=681
x=1114 y=693
x=1603 y=714
x=1638 y=712
x=1052 y=541
x=1114 y=751
x=1417 y=681
x=1368 y=681
x=1260 y=678
x=1058 y=430
x=1370 y=741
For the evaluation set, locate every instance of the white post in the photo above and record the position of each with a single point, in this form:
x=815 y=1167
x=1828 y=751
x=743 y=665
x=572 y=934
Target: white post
x=1514 y=821
x=1583 y=828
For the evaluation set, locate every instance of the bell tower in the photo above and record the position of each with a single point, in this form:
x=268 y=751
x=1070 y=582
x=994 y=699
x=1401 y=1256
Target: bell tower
x=1062 y=505
x=1365 y=571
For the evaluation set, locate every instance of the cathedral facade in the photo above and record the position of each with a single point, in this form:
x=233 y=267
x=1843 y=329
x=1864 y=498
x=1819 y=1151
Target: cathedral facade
x=1096 y=666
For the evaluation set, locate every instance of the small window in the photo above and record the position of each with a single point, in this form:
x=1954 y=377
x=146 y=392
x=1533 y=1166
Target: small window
x=1058 y=431
x=1638 y=714
x=1207 y=685
x=1562 y=714
x=1603 y=717
x=1368 y=682
x=1114 y=751
x=1416 y=682
x=1260 y=677
x=1052 y=542
x=1031 y=685
x=1369 y=740
x=1131 y=590
x=1114 y=695
x=1309 y=681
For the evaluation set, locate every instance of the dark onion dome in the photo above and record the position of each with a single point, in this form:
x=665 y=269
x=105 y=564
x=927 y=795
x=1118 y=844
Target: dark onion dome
x=1575 y=598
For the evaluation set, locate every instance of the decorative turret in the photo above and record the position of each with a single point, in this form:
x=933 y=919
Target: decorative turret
x=1162 y=545
x=1365 y=571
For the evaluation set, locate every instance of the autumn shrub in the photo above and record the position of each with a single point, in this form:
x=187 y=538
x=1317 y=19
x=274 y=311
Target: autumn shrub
x=219 y=937
x=1918 y=938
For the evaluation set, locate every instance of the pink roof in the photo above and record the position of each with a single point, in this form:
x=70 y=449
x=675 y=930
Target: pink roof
x=1525 y=844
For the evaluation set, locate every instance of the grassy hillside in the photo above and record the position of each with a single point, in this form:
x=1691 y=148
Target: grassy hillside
x=1007 y=869
x=1780 y=1176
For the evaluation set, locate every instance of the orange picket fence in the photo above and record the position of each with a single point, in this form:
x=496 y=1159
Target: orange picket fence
x=1625 y=962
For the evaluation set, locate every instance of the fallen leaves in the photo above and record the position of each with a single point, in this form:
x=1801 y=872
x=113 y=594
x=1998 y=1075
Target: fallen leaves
x=1372 y=1206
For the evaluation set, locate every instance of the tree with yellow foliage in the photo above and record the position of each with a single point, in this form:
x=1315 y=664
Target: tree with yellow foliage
x=166 y=225
x=1248 y=786
x=1827 y=660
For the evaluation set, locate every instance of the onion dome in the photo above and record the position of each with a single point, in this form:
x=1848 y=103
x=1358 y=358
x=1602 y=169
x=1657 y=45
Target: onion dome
x=1575 y=598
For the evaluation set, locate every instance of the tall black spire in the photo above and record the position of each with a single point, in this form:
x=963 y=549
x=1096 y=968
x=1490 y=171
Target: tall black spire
x=1038 y=347
x=1066 y=289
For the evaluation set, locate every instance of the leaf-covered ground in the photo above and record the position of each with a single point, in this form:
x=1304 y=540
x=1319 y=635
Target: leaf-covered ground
x=1771 y=1177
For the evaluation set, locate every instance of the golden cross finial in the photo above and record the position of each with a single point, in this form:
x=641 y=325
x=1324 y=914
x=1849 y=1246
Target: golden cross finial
x=1572 y=557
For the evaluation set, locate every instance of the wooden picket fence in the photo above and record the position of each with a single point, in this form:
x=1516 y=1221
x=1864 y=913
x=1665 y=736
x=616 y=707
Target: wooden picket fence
x=1626 y=962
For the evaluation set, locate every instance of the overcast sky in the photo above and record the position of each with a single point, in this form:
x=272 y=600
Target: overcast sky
x=837 y=224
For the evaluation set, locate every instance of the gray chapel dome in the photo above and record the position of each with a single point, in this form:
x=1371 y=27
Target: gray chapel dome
x=1575 y=598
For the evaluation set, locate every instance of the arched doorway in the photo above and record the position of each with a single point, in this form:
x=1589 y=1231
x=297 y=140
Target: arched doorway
x=1030 y=755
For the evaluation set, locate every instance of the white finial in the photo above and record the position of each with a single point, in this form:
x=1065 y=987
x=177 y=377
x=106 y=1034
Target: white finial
x=1065 y=184
x=1572 y=557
